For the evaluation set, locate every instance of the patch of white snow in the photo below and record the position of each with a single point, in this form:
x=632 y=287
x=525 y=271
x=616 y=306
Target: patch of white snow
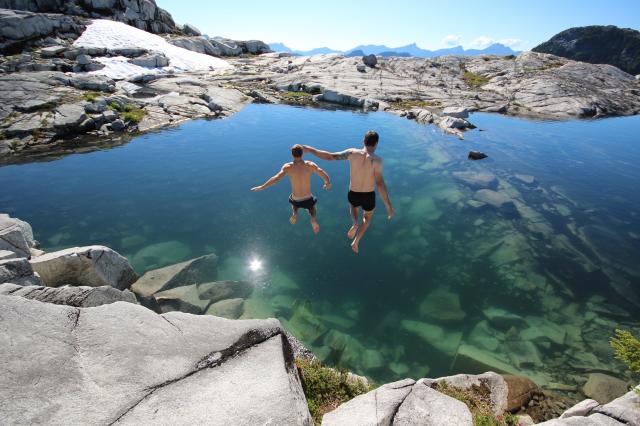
x=103 y=33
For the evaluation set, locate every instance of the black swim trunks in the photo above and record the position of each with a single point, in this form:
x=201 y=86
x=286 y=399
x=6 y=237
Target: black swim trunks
x=307 y=203
x=366 y=200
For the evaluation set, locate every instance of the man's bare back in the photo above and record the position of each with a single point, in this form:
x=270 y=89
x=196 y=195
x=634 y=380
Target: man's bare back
x=299 y=172
x=362 y=170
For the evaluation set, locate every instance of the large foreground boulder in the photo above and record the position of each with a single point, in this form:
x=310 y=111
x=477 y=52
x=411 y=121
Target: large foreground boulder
x=91 y=266
x=122 y=363
x=377 y=407
x=81 y=297
x=427 y=407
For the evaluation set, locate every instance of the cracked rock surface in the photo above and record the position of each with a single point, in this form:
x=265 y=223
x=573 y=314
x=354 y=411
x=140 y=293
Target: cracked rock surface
x=123 y=364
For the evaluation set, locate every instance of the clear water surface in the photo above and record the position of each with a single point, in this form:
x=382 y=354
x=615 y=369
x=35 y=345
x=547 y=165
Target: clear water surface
x=451 y=284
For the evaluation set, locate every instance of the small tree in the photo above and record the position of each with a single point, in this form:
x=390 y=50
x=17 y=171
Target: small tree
x=627 y=348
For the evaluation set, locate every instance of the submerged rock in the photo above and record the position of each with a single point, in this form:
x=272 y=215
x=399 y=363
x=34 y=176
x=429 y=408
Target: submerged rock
x=197 y=298
x=173 y=368
x=229 y=308
x=493 y=198
x=92 y=266
x=435 y=336
x=604 y=388
x=442 y=305
x=476 y=155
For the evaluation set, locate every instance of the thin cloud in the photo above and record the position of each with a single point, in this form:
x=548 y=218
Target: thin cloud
x=486 y=41
x=452 y=40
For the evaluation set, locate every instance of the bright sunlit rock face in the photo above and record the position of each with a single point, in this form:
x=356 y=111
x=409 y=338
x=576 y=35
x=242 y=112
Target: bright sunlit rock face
x=255 y=265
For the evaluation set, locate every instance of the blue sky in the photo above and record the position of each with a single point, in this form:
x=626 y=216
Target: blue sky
x=342 y=24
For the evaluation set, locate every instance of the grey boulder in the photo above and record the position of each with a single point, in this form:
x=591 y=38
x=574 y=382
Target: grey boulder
x=191 y=30
x=493 y=382
x=83 y=366
x=375 y=408
x=91 y=266
x=582 y=408
x=81 y=297
x=370 y=60
x=456 y=112
x=153 y=60
x=16 y=236
x=194 y=271
x=68 y=117
x=427 y=407
x=196 y=44
x=18 y=271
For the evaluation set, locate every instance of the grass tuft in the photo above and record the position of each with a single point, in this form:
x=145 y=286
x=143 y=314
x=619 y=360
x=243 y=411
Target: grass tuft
x=414 y=103
x=133 y=113
x=326 y=388
x=474 y=80
x=91 y=96
x=296 y=94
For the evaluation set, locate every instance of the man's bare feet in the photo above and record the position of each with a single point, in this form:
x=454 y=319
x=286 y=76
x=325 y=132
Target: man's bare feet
x=354 y=246
x=293 y=219
x=315 y=226
x=352 y=231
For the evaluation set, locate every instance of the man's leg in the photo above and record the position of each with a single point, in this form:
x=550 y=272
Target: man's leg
x=314 y=222
x=354 y=212
x=366 y=220
x=294 y=215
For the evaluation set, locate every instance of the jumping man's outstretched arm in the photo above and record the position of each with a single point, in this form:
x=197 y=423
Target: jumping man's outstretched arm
x=322 y=174
x=382 y=187
x=273 y=180
x=326 y=155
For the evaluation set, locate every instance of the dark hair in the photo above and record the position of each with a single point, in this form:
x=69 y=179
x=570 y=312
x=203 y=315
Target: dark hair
x=371 y=138
x=296 y=150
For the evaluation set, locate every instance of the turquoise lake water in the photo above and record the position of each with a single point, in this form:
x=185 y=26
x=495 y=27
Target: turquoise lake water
x=451 y=284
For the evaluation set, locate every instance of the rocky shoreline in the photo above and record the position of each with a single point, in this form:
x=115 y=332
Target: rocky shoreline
x=67 y=307
x=56 y=95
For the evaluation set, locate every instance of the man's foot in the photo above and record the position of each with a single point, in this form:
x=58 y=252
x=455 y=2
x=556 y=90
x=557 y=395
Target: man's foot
x=293 y=219
x=352 y=231
x=315 y=226
x=354 y=246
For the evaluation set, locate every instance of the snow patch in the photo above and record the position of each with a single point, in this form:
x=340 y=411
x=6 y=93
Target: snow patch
x=103 y=33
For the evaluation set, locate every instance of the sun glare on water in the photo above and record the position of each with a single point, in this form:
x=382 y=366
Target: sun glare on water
x=255 y=265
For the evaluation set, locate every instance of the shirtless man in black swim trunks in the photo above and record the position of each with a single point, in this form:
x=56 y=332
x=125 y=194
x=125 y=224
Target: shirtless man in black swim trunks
x=299 y=172
x=366 y=174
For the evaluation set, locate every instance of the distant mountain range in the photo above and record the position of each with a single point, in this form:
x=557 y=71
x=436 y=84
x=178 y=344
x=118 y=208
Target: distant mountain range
x=408 y=50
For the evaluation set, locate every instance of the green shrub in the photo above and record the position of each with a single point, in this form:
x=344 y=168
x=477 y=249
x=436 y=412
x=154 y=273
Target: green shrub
x=474 y=80
x=510 y=57
x=132 y=113
x=113 y=105
x=326 y=388
x=627 y=348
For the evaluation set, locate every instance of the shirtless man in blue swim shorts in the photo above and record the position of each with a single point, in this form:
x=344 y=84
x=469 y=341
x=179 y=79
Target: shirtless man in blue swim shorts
x=365 y=170
x=299 y=172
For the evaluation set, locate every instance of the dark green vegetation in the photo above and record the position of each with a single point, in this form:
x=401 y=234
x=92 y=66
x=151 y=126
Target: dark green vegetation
x=478 y=399
x=296 y=94
x=627 y=348
x=414 y=103
x=326 y=388
x=597 y=44
x=474 y=80
x=130 y=112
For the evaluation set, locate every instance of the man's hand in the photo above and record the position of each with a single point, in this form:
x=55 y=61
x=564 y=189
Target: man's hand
x=257 y=188
x=327 y=185
x=389 y=212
